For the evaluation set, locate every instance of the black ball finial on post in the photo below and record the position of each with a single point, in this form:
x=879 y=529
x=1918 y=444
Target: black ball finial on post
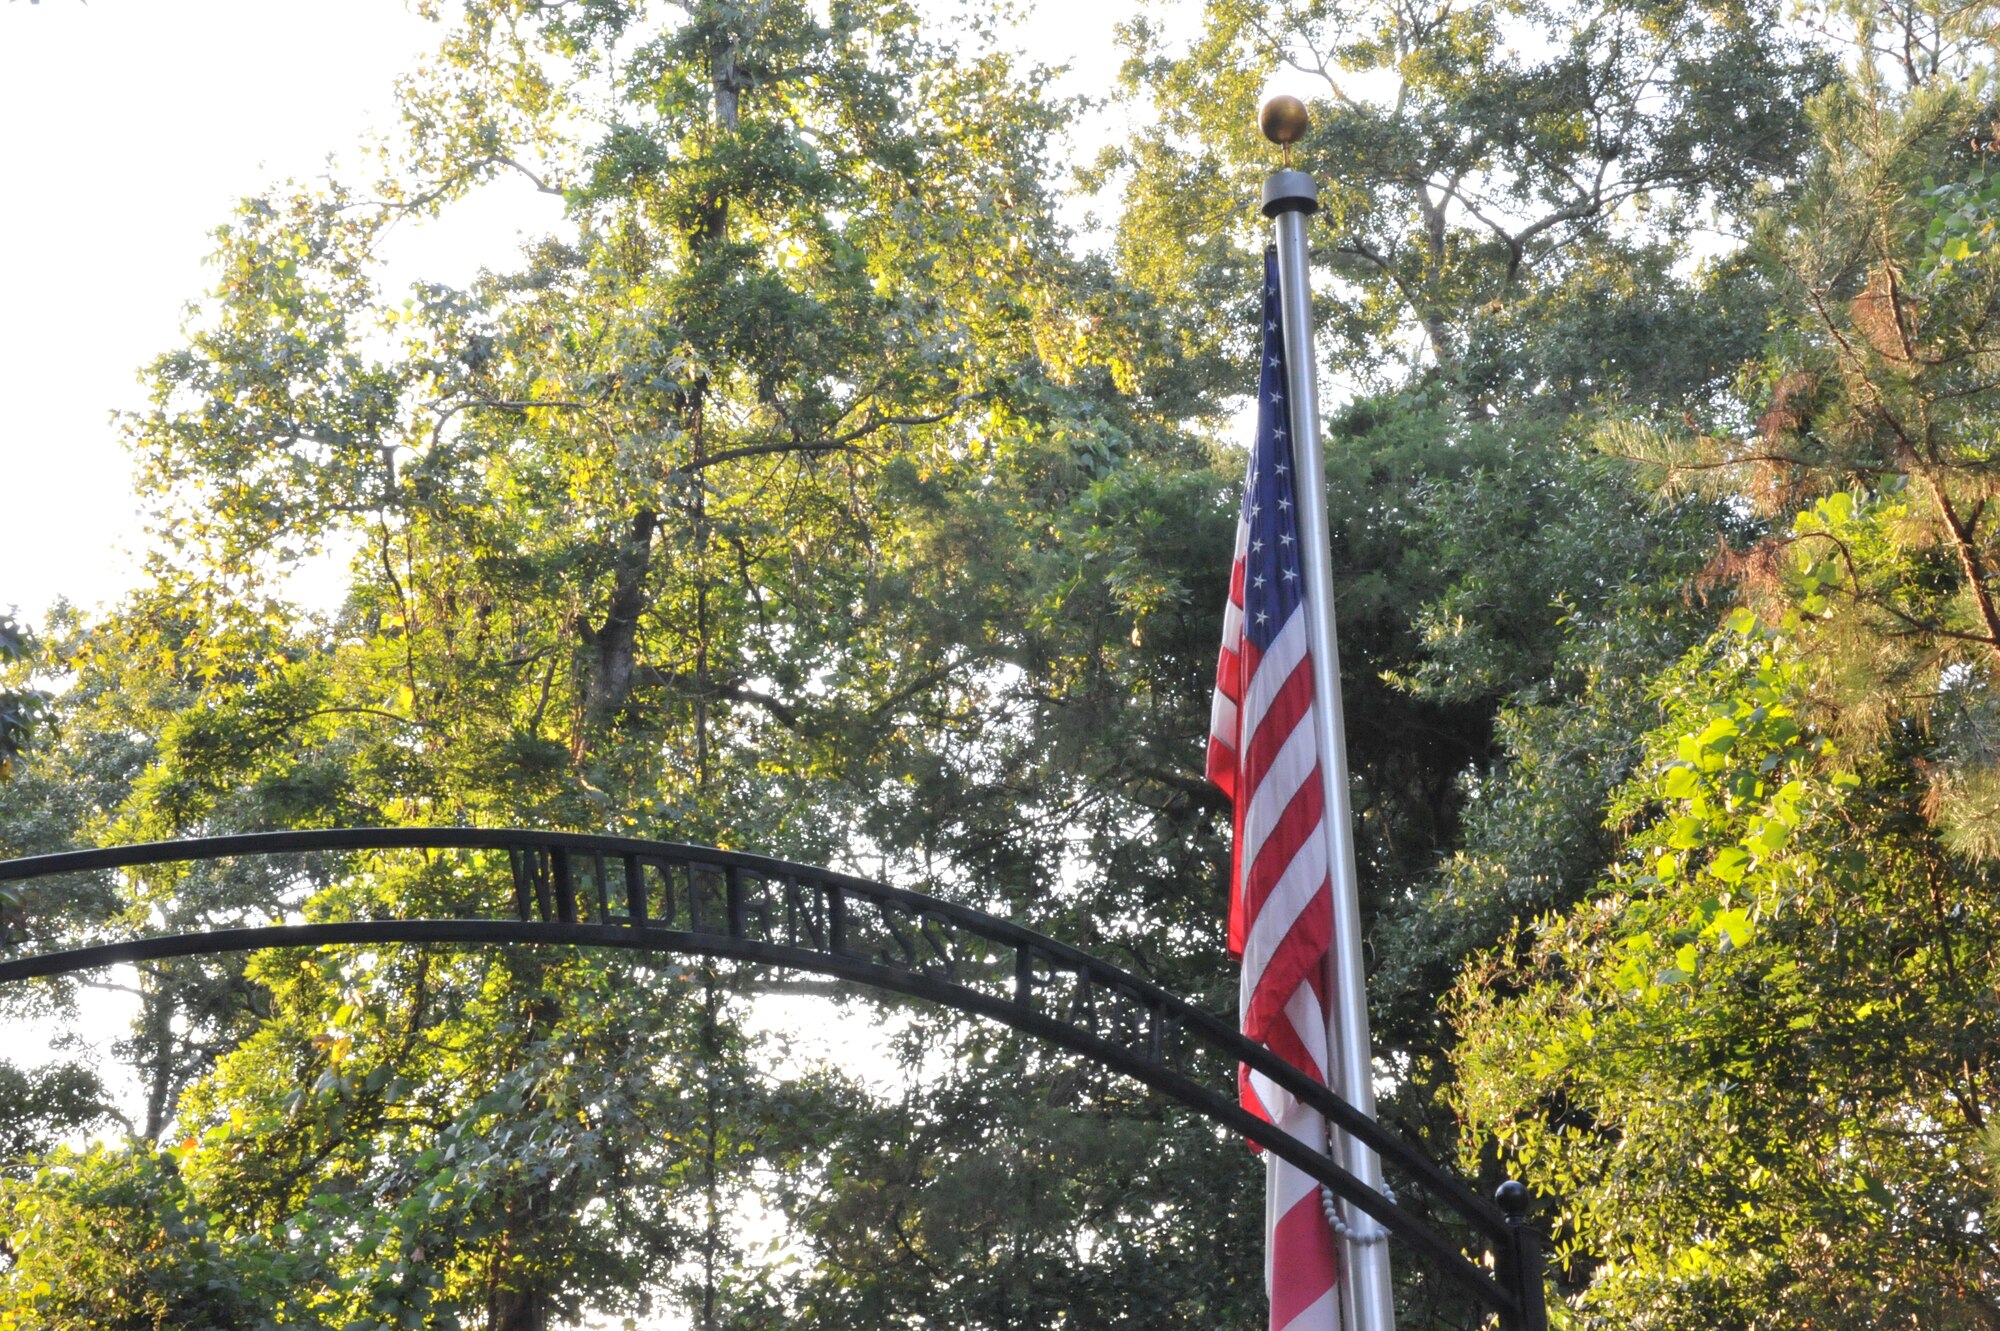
x=1524 y=1261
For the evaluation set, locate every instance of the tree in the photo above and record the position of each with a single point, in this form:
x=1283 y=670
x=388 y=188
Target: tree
x=19 y=707
x=806 y=490
x=1862 y=436
x=1504 y=188
x=41 y=1106
x=1746 y=1068
x=1547 y=163
x=1750 y=1070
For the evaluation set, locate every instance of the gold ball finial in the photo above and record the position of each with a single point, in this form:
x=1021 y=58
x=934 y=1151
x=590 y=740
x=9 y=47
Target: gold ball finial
x=1283 y=120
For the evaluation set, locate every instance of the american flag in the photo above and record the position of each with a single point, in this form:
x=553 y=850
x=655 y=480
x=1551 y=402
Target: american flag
x=1263 y=752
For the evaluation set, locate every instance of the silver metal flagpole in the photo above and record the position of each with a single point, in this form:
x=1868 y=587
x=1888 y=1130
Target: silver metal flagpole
x=1367 y=1299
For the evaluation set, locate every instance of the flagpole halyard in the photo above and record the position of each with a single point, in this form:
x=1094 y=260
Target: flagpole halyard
x=1290 y=197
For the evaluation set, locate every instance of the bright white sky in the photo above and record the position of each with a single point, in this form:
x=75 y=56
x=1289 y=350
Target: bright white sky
x=132 y=126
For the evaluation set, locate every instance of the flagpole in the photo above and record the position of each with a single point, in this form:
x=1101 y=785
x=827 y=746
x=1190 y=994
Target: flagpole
x=1290 y=197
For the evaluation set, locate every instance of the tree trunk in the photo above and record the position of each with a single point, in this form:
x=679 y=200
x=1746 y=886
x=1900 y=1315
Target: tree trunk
x=156 y=1024
x=517 y=1310
x=616 y=639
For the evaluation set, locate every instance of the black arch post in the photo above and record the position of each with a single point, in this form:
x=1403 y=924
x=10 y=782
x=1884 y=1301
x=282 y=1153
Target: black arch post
x=602 y=891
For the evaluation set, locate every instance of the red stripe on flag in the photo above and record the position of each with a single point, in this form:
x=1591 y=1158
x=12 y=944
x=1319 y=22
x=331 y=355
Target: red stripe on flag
x=1268 y=732
x=1299 y=821
x=1302 y=1265
x=1300 y=955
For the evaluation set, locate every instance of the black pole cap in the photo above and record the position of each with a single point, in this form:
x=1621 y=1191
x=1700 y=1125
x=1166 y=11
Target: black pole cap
x=1290 y=191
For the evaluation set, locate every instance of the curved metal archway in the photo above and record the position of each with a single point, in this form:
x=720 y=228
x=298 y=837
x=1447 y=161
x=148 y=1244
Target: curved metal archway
x=665 y=897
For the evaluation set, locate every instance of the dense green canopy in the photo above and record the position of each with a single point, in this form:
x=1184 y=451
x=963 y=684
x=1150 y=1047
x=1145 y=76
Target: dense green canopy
x=811 y=488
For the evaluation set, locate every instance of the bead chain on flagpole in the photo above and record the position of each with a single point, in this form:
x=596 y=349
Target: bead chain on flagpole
x=1331 y=1205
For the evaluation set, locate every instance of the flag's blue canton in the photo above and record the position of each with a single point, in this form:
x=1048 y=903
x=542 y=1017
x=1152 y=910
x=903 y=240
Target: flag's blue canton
x=1272 y=585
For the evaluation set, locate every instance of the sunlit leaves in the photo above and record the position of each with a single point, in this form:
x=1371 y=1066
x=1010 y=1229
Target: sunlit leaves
x=1725 y=1051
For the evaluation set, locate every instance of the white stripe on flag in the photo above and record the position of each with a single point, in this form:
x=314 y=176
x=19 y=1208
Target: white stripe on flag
x=1290 y=897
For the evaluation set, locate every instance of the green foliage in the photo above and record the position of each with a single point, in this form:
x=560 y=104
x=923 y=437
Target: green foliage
x=1863 y=434
x=39 y=1108
x=784 y=497
x=115 y=1238
x=1742 y=1059
x=1508 y=196
x=1967 y=224
x=1749 y=1069
x=957 y=1203
x=20 y=708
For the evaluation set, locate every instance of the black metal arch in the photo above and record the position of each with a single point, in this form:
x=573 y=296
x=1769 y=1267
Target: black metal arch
x=603 y=891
